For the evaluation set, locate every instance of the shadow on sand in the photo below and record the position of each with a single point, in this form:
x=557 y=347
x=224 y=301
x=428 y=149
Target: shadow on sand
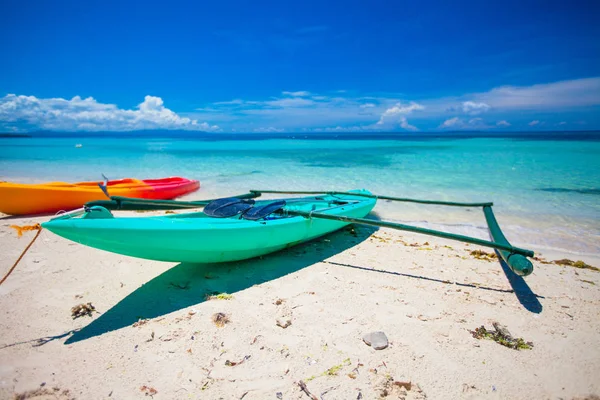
x=188 y=284
x=524 y=294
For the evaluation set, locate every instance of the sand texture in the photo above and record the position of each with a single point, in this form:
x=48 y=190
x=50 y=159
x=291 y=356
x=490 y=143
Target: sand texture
x=294 y=318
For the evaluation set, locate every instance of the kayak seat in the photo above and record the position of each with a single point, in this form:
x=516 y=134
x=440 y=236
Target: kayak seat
x=97 y=212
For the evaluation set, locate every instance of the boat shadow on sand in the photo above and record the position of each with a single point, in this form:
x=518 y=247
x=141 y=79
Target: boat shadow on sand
x=189 y=284
x=186 y=285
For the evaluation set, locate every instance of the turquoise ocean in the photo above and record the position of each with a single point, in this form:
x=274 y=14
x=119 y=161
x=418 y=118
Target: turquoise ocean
x=545 y=186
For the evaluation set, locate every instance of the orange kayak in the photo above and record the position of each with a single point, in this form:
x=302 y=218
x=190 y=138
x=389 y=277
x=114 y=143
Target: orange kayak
x=21 y=199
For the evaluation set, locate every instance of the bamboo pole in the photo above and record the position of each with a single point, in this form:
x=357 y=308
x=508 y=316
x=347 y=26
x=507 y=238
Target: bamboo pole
x=416 y=229
x=373 y=196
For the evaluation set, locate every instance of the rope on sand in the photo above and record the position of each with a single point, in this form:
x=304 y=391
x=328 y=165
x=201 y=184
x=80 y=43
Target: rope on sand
x=20 y=230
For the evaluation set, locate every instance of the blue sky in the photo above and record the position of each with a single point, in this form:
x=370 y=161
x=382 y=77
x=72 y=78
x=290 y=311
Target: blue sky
x=302 y=66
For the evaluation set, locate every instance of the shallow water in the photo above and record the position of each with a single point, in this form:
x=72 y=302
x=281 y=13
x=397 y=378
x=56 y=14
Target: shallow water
x=546 y=188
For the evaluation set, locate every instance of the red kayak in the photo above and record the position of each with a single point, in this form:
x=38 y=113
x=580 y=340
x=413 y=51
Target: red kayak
x=21 y=199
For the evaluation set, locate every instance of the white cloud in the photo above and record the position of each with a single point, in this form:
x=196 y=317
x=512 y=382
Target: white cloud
x=549 y=96
x=470 y=107
x=534 y=123
x=90 y=115
x=300 y=93
x=393 y=114
x=289 y=102
x=230 y=102
x=405 y=125
x=365 y=111
x=297 y=110
x=460 y=124
x=451 y=122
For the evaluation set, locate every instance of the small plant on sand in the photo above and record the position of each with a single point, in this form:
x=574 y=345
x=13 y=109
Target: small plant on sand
x=333 y=371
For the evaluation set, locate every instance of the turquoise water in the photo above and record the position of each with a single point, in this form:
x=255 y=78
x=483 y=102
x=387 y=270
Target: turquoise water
x=546 y=190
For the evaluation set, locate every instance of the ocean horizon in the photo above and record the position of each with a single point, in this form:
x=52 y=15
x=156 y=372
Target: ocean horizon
x=544 y=186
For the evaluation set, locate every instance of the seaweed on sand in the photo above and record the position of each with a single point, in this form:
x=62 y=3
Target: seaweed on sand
x=502 y=336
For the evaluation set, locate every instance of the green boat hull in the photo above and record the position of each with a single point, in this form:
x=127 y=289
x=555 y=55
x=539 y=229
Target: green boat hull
x=197 y=238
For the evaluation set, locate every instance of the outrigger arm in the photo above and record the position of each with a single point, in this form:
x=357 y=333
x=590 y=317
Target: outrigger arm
x=515 y=257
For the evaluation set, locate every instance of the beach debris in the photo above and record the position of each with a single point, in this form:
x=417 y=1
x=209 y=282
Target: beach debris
x=148 y=390
x=305 y=390
x=577 y=264
x=482 y=255
x=169 y=212
x=284 y=314
x=140 y=322
x=279 y=395
x=355 y=371
x=82 y=309
x=467 y=388
x=234 y=363
x=26 y=228
x=256 y=338
x=377 y=340
x=218 y=296
x=278 y=302
x=284 y=324
x=328 y=390
x=541 y=260
x=186 y=317
x=45 y=393
x=501 y=335
x=220 y=319
x=388 y=386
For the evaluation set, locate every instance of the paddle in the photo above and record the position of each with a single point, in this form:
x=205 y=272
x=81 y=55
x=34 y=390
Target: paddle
x=104 y=186
x=130 y=203
x=256 y=213
x=228 y=207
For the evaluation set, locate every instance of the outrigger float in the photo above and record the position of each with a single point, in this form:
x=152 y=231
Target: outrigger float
x=241 y=227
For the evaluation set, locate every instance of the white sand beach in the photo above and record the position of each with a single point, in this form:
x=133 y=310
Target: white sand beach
x=153 y=332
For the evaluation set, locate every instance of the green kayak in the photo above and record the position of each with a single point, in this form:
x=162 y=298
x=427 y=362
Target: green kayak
x=199 y=238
